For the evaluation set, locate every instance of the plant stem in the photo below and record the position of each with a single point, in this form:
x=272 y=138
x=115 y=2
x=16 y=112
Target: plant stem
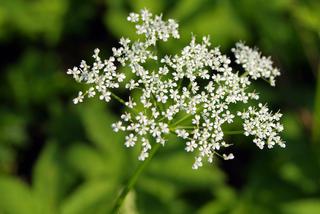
x=187 y=116
x=182 y=119
x=185 y=127
x=120 y=100
x=117 y=98
x=244 y=74
x=233 y=132
x=133 y=179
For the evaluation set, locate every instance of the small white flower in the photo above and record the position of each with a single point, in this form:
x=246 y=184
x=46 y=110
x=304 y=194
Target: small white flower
x=155 y=113
x=106 y=95
x=196 y=120
x=126 y=117
x=133 y=17
x=118 y=126
x=132 y=85
x=228 y=157
x=162 y=98
x=131 y=103
x=197 y=163
x=164 y=128
x=182 y=133
x=79 y=98
x=130 y=140
x=91 y=92
x=143 y=155
x=191 y=146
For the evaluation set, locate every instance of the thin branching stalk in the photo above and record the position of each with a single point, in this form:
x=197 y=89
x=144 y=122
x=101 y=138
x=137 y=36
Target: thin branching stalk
x=133 y=179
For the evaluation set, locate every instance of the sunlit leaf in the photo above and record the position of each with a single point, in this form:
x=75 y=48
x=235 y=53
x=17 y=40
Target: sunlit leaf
x=49 y=178
x=92 y=197
x=97 y=121
x=308 y=206
x=153 y=6
x=94 y=164
x=166 y=167
x=219 y=21
x=16 y=197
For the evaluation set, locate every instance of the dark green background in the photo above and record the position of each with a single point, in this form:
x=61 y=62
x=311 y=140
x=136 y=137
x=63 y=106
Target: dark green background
x=56 y=157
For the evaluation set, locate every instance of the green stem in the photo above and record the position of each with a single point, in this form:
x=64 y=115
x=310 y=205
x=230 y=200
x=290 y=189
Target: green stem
x=189 y=86
x=193 y=127
x=122 y=102
x=233 y=132
x=182 y=119
x=117 y=98
x=133 y=179
x=187 y=116
x=179 y=84
x=185 y=127
x=246 y=73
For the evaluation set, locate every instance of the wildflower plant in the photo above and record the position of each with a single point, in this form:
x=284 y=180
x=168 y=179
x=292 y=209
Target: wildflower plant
x=190 y=94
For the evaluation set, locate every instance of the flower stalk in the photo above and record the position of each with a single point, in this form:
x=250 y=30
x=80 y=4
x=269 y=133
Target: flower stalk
x=133 y=179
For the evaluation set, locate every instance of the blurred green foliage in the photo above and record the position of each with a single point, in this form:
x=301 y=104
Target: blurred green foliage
x=59 y=158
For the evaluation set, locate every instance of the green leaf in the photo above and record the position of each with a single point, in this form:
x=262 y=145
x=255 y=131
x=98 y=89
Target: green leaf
x=294 y=175
x=41 y=18
x=167 y=165
x=308 y=15
x=129 y=204
x=215 y=207
x=94 y=164
x=16 y=197
x=91 y=197
x=7 y=159
x=151 y=5
x=12 y=129
x=293 y=129
x=97 y=121
x=164 y=190
x=49 y=178
x=220 y=22
x=225 y=198
x=44 y=87
x=118 y=17
x=307 y=206
x=186 y=8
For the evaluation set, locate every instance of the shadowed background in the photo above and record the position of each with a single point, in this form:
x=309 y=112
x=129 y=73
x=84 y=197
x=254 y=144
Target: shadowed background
x=56 y=157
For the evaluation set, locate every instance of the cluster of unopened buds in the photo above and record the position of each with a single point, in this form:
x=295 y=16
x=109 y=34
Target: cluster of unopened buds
x=192 y=94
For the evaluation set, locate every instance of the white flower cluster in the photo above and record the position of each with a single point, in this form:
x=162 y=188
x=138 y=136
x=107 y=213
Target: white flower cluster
x=102 y=75
x=263 y=125
x=189 y=94
x=256 y=65
x=154 y=28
